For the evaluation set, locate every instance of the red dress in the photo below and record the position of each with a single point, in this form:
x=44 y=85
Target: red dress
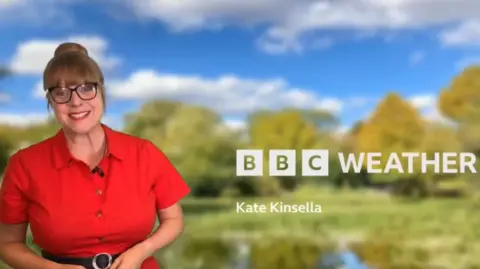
x=76 y=213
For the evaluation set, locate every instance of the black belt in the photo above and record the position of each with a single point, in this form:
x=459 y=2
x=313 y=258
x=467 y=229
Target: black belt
x=99 y=261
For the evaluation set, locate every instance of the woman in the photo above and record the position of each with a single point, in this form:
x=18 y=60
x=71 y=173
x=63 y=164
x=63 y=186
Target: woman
x=90 y=194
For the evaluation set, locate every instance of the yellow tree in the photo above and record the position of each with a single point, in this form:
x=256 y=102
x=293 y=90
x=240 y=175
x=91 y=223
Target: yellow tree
x=289 y=129
x=394 y=127
x=349 y=140
x=348 y=145
x=460 y=102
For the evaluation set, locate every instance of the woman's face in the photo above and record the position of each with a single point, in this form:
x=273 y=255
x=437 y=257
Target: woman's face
x=78 y=107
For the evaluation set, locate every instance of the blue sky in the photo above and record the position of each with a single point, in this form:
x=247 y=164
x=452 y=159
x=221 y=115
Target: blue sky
x=236 y=57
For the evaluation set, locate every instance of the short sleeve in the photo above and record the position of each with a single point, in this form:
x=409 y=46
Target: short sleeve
x=13 y=200
x=169 y=186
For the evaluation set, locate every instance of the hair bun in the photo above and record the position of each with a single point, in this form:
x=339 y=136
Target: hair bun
x=70 y=47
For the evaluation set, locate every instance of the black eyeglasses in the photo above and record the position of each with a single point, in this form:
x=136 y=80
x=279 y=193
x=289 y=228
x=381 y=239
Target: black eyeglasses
x=62 y=95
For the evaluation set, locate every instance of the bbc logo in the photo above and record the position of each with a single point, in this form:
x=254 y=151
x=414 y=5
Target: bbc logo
x=282 y=162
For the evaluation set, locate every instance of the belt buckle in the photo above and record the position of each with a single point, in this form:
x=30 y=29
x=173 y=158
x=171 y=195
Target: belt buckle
x=94 y=261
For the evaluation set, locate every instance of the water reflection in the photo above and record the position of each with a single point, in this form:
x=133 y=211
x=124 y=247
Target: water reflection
x=289 y=253
x=392 y=255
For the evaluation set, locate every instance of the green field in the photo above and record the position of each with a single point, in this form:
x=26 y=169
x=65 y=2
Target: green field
x=383 y=231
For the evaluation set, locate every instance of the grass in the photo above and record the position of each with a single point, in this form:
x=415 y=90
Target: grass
x=346 y=212
x=445 y=230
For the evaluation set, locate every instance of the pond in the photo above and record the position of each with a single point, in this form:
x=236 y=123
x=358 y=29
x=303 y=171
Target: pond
x=289 y=253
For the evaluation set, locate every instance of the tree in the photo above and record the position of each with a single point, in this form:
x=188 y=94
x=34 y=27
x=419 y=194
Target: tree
x=5 y=151
x=460 y=103
x=18 y=136
x=288 y=129
x=190 y=125
x=204 y=155
x=192 y=139
x=438 y=138
x=349 y=140
x=151 y=119
x=462 y=96
x=394 y=127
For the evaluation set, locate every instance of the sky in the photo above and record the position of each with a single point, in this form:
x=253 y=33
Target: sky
x=240 y=56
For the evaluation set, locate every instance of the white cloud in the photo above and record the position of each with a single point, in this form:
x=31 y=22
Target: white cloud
x=427 y=105
x=464 y=34
x=290 y=20
x=32 y=56
x=423 y=101
x=226 y=94
x=23 y=119
x=434 y=115
x=235 y=124
x=341 y=131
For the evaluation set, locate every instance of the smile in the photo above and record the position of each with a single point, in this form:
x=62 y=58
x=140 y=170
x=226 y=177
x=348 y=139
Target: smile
x=79 y=115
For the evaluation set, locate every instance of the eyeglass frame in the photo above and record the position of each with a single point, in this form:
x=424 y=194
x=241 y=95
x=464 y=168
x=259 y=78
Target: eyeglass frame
x=74 y=89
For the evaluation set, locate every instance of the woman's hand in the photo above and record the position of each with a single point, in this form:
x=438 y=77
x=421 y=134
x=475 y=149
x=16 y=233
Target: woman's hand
x=133 y=258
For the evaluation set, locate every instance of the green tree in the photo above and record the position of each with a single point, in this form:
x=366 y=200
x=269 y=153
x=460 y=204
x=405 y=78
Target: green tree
x=150 y=121
x=19 y=136
x=189 y=126
x=203 y=151
x=193 y=139
x=5 y=150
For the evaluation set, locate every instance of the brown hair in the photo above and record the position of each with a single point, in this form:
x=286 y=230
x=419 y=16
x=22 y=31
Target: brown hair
x=72 y=64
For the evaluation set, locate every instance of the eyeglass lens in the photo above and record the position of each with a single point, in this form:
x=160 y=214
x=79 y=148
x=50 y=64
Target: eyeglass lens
x=63 y=95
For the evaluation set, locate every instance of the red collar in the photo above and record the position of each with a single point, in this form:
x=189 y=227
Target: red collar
x=63 y=157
